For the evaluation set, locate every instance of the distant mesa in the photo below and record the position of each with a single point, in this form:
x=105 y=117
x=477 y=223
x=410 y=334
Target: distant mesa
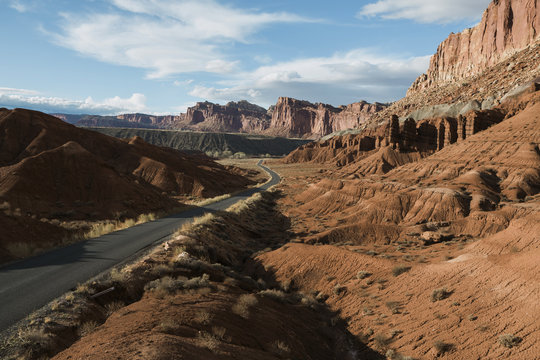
x=288 y=118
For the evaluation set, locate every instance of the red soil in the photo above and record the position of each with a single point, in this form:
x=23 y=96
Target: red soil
x=52 y=170
x=465 y=219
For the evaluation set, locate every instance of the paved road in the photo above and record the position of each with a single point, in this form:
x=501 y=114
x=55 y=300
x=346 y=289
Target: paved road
x=29 y=284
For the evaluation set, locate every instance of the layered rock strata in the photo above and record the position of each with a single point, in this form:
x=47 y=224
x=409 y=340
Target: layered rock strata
x=507 y=27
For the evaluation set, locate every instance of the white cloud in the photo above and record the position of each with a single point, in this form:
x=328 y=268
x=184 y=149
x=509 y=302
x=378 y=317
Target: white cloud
x=338 y=79
x=28 y=99
x=183 y=82
x=166 y=36
x=14 y=91
x=426 y=11
x=19 y=6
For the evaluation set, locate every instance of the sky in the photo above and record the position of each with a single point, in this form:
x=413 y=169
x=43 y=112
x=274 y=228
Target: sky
x=160 y=56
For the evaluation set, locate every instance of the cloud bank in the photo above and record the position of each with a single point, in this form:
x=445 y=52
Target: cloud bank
x=338 y=79
x=425 y=11
x=166 y=37
x=29 y=99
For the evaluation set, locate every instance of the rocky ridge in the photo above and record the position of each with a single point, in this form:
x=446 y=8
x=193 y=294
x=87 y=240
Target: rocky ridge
x=297 y=118
x=507 y=27
x=288 y=118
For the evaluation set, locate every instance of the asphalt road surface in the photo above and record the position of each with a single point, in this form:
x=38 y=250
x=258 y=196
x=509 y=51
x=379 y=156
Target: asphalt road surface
x=29 y=284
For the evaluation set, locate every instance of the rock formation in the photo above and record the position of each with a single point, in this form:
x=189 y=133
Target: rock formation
x=507 y=27
x=288 y=118
x=233 y=117
x=298 y=118
x=425 y=136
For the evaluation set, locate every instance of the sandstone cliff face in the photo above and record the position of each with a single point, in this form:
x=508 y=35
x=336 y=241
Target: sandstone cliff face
x=402 y=139
x=288 y=118
x=233 y=117
x=291 y=117
x=507 y=26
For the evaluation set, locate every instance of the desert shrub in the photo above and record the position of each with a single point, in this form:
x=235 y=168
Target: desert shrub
x=286 y=285
x=36 y=337
x=367 y=311
x=87 y=327
x=239 y=155
x=509 y=340
x=168 y=326
x=483 y=328
x=442 y=347
x=118 y=276
x=280 y=348
x=219 y=332
x=338 y=289
x=381 y=340
x=203 y=317
x=363 y=274
x=197 y=282
x=167 y=285
x=394 y=355
x=400 y=269
x=243 y=304
x=440 y=294
x=277 y=295
x=161 y=270
x=163 y=286
x=309 y=300
x=393 y=306
x=472 y=317
x=207 y=340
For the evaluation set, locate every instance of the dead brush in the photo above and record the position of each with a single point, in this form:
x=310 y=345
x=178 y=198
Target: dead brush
x=440 y=294
x=274 y=294
x=241 y=308
x=207 y=340
x=87 y=328
x=168 y=327
x=113 y=307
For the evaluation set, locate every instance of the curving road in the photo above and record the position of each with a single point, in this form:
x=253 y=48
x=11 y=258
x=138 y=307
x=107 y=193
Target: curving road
x=30 y=284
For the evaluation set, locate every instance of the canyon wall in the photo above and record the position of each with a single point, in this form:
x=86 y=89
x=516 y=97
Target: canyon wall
x=288 y=118
x=425 y=136
x=507 y=26
x=296 y=118
x=233 y=117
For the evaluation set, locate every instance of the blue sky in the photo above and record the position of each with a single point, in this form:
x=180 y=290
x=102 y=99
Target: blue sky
x=160 y=56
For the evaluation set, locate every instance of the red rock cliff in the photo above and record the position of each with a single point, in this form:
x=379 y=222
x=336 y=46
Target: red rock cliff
x=507 y=26
x=292 y=117
x=234 y=117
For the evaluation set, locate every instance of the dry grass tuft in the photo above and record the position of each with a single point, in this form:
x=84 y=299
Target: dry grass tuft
x=113 y=307
x=400 y=269
x=440 y=294
x=280 y=348
x=442 y=347
x=87 y=328
x=362 y=274
x=168 y=327
x=203 y=317
x=219 y=332
x=243 y=304
x=509 y=340
x=207 y=340
x=277 y=295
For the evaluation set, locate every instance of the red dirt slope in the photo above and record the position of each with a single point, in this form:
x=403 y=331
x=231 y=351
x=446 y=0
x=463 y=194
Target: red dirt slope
x=52 y=170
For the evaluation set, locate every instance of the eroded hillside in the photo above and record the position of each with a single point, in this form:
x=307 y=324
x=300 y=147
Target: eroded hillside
x=52 y=173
